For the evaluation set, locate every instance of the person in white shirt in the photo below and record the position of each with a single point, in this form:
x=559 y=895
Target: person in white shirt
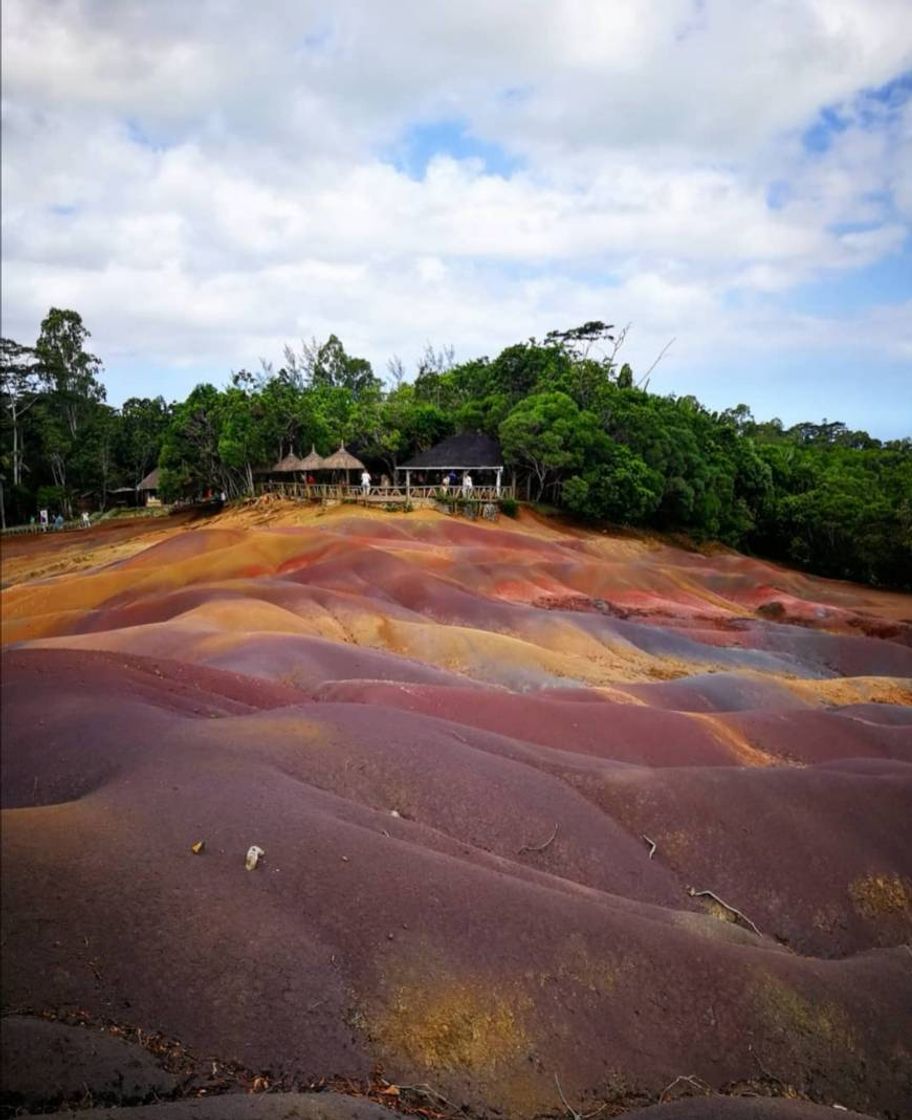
x=467 y=483
x=365 y=483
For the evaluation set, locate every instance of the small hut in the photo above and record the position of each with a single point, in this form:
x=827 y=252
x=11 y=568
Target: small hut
x=342 y=460
x=471 y=452
x=291 y=464
x=312 y=462
x=148 y=489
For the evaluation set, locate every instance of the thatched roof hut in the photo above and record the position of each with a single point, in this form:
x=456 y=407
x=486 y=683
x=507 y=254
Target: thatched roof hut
x=150 y=482
x=342 y=460
x=313 y=461
x=289 y=465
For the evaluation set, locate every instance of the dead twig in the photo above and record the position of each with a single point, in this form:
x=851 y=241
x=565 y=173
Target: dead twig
x=644 y=380
x=540 y=847
x=721 y=901
x=689 y=1079
x=576 y=1115
x=652 y=845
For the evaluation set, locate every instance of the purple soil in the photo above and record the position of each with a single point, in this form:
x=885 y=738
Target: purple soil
x=295 y=967
x=818 y=736
x=478 y=887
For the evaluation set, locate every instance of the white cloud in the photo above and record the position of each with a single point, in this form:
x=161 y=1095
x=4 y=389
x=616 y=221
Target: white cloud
x=204 y=181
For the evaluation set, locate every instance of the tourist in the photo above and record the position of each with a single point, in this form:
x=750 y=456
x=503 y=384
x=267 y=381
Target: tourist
x=365 y=483
x=86 y=523
x=58 y=522
x=467 y=484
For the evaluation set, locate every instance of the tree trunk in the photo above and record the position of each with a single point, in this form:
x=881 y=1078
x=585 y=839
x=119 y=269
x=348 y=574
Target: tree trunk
x=15 y=418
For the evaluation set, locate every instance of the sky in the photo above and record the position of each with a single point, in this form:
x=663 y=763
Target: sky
x=205 y=182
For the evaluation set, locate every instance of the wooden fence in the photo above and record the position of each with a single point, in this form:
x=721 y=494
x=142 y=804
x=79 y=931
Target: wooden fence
x=383 y=495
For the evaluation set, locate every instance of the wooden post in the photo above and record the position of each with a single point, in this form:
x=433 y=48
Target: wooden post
x=499 y=473
x=408 y=485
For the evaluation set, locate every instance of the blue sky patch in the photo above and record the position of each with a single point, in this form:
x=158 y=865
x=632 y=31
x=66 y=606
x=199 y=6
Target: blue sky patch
x=819 y=136
x=886 y=281
x=423 y=141
x=140 y=135
x=778 y=194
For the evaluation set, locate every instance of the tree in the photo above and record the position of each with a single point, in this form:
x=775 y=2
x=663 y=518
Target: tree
x=143 y=422
x=580 y=340
x=72 y=371
x=21 y=381
x=333 y=368
x=621 y=488
x=549 y=434
x=241 y=442
x=189 y=458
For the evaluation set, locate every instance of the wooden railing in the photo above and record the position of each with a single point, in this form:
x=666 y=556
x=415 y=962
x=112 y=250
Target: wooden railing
x=396 y=495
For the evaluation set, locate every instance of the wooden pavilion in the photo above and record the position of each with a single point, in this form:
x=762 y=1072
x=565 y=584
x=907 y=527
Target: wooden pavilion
x=467 y=453
x=342 y=460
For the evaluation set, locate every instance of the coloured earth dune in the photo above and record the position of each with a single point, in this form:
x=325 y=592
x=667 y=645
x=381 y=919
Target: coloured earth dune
x=553 y=821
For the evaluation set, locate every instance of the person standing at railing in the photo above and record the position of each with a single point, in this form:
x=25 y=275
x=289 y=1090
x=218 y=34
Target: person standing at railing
x=467 y=485
x=365 y=483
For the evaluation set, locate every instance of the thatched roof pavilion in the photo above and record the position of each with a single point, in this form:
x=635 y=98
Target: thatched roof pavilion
x=313 y=461
x=289 y=465
x=342 y=460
